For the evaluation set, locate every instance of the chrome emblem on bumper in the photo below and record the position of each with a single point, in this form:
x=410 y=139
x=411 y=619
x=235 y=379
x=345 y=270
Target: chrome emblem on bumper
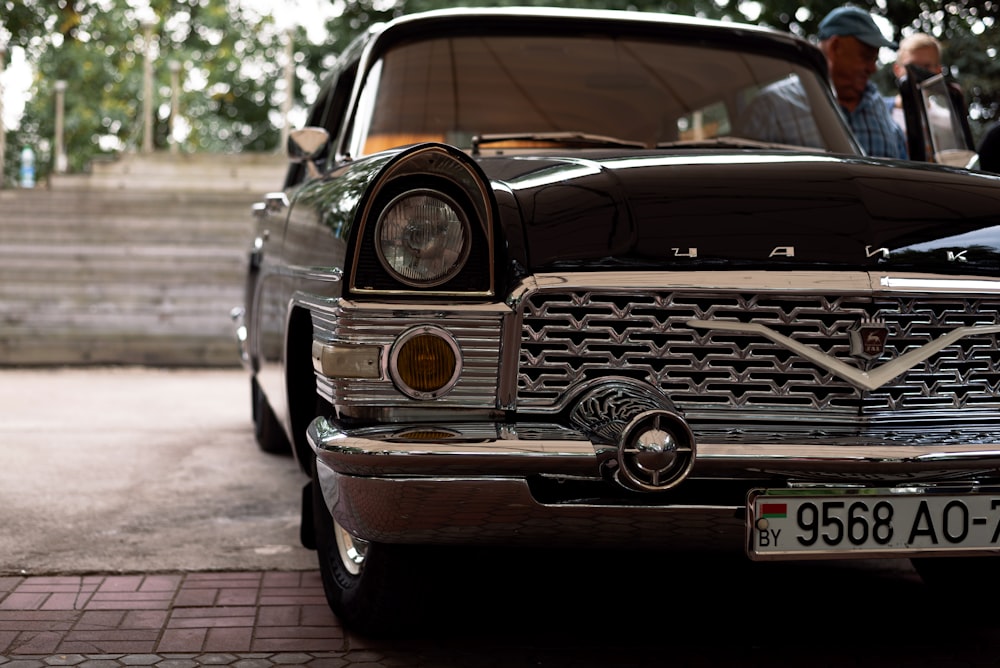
x=655 y=446
x=656 y=452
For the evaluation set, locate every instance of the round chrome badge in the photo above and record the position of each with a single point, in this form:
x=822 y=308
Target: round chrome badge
x=656 y=451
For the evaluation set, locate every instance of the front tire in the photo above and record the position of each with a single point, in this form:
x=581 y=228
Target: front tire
x=367 y=585
x=267 y=431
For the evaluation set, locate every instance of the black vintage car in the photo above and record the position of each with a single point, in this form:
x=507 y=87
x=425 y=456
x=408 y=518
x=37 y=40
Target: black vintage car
x=537 y=277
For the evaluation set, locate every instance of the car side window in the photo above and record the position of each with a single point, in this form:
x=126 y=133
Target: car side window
x=334 y=111
x=327 y=113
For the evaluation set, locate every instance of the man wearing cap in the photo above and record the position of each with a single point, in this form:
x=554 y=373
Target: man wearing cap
x=850 y=40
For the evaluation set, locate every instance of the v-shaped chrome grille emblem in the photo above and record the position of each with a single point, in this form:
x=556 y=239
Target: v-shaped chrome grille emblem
x=865 y=380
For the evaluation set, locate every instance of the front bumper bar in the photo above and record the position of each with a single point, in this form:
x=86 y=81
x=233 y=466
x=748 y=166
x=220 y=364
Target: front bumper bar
x=470 y=483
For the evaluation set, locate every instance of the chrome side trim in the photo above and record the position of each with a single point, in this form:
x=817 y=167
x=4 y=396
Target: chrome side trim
x=275 y=203
x=238 y=316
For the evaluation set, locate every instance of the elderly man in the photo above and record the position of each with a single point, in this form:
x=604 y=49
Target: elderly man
x=850 y=40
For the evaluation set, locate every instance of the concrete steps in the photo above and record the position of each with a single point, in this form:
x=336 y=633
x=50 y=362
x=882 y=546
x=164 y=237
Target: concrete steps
x=180 y=173
x=138 y=262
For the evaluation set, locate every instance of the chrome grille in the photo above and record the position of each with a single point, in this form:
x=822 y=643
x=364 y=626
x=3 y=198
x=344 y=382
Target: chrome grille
x=568 y=338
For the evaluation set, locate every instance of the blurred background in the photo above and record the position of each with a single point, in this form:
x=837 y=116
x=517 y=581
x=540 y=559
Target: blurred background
x=231 y=76
x=138 y=136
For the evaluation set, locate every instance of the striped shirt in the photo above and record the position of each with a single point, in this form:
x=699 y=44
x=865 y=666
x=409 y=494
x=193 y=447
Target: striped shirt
x=781 y=114
x=874 y=128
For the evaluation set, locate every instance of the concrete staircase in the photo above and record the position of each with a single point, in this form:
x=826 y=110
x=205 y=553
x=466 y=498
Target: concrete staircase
x=137 y=262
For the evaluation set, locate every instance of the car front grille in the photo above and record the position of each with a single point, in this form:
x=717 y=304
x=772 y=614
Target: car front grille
x=570 y=338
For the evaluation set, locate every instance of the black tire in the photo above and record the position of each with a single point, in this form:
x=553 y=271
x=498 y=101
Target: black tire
x=960 y=576
x=371 y=592
x=267 y=431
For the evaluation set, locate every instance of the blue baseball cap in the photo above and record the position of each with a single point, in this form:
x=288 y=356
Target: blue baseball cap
x=854 y=22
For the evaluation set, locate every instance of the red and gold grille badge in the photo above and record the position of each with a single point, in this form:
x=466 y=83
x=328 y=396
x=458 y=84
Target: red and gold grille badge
x=868 y=338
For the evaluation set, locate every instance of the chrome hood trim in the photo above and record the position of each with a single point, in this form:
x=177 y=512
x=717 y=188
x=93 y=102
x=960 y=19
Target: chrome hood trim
x=805 y=282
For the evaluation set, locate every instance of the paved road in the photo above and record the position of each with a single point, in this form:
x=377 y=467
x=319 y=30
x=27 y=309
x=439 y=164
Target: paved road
x=124 y=491
x=129 y=469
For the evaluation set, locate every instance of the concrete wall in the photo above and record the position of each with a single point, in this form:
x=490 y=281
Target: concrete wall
x=138 y=262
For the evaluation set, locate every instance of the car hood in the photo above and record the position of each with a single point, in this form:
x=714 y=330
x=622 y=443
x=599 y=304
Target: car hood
x=711 y=209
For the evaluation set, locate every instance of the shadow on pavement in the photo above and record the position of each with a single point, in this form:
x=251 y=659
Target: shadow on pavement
x=621 y=608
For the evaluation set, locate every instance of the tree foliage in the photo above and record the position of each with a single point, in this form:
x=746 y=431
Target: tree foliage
x=231 y=61
x=968 y=29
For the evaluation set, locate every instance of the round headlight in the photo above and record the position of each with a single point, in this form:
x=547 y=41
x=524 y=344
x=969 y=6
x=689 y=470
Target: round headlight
x=423 y=238
x=425 y=362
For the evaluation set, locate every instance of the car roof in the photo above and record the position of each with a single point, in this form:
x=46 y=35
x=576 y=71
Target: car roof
x=570 y=20
x=572 y=13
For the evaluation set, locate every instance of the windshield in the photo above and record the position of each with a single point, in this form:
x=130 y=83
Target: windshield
x=628 y=91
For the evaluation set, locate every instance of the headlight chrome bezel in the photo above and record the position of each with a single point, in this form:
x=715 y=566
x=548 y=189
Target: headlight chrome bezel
x=459 y=189
x=458 y=228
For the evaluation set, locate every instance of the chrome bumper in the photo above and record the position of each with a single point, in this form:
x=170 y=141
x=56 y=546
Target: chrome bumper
x=472 y=483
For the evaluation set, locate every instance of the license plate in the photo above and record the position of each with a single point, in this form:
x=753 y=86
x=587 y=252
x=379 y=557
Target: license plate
x=799 y=524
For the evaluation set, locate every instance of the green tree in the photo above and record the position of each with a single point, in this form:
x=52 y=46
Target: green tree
x=230 y=63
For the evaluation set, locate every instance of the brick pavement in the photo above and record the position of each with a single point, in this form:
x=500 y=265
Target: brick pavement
x=267 y=617
x=260 y=619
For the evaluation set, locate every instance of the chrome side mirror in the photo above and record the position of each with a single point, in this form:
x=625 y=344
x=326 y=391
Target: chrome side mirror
x=306 y=145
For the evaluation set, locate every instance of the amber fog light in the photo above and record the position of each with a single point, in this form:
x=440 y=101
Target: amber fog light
x=425 y=362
